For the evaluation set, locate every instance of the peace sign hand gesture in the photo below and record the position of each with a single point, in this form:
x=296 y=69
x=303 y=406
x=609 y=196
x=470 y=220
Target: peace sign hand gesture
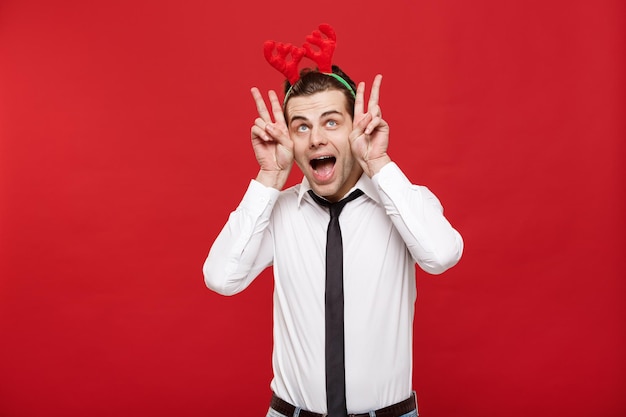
x=370 y=134
x=272 y=145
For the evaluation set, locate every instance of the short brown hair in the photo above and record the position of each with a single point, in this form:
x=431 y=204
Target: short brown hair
x=312 y=81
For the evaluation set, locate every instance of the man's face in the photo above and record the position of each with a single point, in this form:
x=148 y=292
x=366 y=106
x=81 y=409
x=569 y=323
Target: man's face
x=319 y=126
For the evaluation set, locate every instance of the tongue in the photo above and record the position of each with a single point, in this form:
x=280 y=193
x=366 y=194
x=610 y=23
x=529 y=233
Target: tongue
x=325 y=167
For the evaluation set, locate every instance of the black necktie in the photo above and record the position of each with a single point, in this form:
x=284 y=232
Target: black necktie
x=335 y=340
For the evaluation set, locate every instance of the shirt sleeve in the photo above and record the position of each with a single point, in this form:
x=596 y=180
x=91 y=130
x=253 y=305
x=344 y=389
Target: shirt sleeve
x=418 y=216
x=243 y=249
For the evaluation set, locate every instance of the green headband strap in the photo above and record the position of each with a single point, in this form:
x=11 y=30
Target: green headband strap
x=332 y=74
x=342 y=81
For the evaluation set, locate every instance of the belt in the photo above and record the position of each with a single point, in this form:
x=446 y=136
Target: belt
x=394 y=410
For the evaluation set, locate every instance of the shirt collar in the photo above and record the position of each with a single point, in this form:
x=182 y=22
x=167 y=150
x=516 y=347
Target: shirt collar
x=364 y=183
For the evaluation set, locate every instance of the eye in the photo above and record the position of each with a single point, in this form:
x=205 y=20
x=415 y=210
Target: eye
x=302 y=128
x=331 y=123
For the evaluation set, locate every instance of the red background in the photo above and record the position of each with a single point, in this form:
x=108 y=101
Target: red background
x=124 y=144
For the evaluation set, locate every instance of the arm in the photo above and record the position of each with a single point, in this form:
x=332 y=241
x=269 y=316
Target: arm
x=242 y=249
x=415 y=211
x=418 y=216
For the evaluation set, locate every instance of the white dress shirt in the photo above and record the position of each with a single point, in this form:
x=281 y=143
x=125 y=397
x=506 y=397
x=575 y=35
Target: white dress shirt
x=385 y=232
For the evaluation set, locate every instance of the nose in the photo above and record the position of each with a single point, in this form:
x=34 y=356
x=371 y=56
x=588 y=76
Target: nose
x=317 y=137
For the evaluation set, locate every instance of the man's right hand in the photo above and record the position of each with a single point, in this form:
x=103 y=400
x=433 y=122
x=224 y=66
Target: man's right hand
x=272 y=145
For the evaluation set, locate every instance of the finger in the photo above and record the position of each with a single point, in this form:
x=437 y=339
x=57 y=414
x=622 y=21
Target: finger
x=371 y=126
x=360 y=126
x=278 y=132
x=260 y=105
x=375 y=111
x=270 y=132
x=359 y=102
x=277 y=109
x=260 y=123
x=258 y=130
x=375 y=93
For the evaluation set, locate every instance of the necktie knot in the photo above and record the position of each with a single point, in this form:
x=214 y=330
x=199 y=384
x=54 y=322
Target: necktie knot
x=335 y=208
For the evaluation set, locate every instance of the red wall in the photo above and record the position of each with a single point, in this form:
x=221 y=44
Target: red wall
x=124 y=144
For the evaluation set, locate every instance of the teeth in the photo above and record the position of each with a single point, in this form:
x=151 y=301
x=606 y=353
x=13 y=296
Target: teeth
x=315 y=161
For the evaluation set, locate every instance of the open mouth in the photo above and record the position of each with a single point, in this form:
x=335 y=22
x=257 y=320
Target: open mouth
x=324 y=165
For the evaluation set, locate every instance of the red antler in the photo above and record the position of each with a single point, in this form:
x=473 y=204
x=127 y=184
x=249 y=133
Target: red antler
x=289 y=68
x=323 y=57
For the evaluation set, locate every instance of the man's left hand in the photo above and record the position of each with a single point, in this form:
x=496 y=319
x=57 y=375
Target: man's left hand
x=370 y=134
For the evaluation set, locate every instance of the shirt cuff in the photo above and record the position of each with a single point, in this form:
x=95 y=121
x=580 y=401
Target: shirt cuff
x=390 y=179
x=258 y=198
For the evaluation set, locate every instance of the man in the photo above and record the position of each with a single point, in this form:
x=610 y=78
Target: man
x=340 y=147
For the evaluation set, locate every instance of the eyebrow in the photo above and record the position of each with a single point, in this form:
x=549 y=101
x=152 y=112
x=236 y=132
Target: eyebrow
x=325 y=114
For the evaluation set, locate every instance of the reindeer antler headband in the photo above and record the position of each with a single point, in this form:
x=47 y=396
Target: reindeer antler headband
x=288 y=57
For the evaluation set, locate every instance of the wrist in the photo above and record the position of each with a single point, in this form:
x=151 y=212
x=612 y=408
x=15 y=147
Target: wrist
x=373 y=166
x=274 y=179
